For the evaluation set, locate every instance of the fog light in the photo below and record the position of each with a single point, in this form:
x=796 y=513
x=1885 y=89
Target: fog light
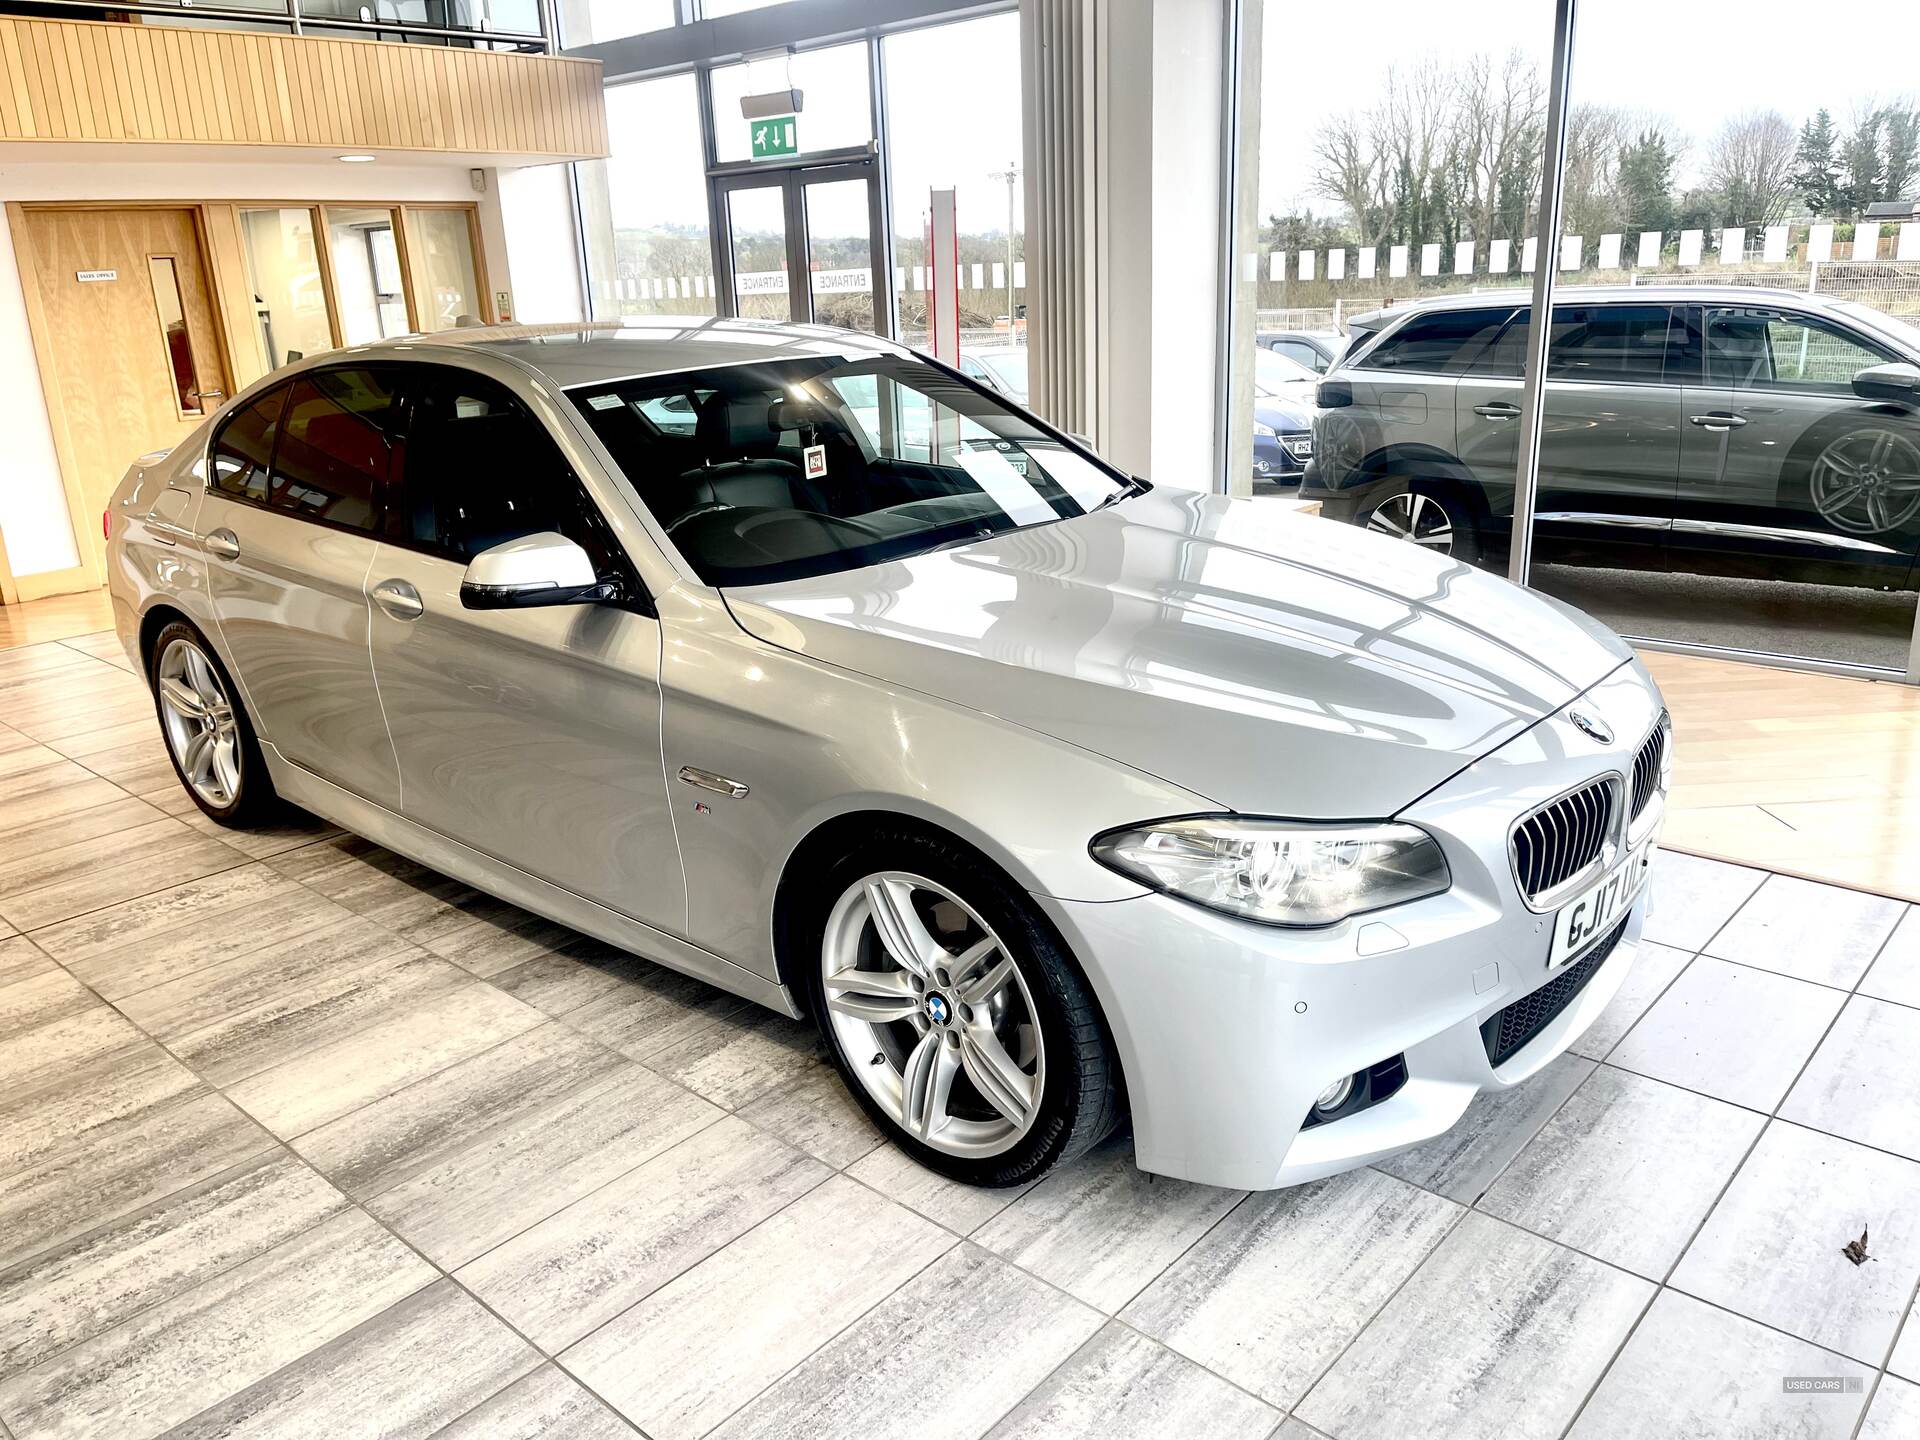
x=1335 y=1095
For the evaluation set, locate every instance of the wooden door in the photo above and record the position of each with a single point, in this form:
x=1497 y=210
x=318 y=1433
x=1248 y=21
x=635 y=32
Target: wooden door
x=131 y=352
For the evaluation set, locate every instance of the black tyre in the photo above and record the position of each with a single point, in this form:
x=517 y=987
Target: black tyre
x=206 y=730
x=1432 y=515
x=954 y=1012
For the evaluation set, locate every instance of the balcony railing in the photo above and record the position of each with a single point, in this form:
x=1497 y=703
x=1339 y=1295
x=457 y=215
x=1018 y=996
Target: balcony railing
x=517 y=25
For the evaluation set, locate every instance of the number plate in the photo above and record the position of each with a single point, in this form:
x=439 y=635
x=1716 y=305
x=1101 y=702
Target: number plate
x=1584 y=920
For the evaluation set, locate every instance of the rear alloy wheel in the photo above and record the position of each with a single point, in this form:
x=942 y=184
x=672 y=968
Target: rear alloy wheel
x=208 y=738
x=954 y=1014
x=1422 y=519
x=1867 y=481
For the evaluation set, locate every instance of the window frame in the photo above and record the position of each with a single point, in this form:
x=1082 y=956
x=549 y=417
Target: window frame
x=1452 y=369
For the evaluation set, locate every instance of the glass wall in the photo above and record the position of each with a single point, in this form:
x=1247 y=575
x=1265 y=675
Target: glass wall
x=978 y=157
x=446 y=288
x=837 y=111
x=289 y=297
x=369 y=285
x=1725 y=458
x=644 y=208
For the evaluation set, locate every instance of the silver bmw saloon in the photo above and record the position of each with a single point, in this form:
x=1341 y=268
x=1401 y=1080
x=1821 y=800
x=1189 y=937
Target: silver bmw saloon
x=799 y=663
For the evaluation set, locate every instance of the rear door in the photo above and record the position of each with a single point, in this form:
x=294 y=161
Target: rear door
x=1609 y=439
x=289 y=526
x=529 y=735
x=1786 y=472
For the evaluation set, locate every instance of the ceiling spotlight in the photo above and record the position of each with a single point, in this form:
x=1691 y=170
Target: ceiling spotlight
x=357 y=159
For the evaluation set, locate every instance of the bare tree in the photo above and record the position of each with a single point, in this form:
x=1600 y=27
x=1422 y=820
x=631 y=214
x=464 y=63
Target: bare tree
x=1750 y=164
x=1346 y=169
x=1500 y=117
x=1596 y=137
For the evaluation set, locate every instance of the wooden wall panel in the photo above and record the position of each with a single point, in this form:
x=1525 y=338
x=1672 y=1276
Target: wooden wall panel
x=81 y=80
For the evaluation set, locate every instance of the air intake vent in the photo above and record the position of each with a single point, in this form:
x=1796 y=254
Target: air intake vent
x=1558 y=843
x=1509 y=1031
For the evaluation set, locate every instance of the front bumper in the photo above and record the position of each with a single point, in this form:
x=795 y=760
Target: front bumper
x=1227 y=1031
x=1275 y=463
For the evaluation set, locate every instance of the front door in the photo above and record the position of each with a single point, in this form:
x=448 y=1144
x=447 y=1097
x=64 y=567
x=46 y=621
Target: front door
x=530 y=735
x=129 y=324
x=800 y=243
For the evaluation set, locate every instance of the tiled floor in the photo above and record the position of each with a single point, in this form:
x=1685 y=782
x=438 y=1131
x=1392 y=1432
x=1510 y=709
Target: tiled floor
x=298 y=1138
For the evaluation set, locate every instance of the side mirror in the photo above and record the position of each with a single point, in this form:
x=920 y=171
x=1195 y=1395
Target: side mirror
x=1888 y=382
x=542 y=569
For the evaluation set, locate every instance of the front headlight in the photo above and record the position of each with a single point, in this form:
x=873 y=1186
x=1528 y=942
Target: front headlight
x=1266 y=430
x=1279 y=872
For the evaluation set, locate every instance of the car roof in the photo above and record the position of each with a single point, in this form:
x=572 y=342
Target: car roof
x=1597 y=295
x=576 y=354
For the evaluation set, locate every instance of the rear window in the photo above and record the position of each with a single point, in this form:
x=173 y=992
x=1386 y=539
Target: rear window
x=1441 y=342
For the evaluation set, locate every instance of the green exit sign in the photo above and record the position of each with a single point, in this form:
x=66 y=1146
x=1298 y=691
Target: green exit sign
x=775 y=136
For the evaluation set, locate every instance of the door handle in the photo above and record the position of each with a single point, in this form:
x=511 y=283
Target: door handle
x=1497 y=410
x=222 y=543
x=206 y=394
x=1718 y=424
x=399 y=600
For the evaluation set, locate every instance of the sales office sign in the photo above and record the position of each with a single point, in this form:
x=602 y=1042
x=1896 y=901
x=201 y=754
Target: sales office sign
x=94 y=277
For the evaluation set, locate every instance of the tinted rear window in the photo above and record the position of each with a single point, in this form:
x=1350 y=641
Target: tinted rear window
x=1443 y=342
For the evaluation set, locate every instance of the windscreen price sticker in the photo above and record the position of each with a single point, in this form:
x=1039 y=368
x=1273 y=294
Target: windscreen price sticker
x=815 y=457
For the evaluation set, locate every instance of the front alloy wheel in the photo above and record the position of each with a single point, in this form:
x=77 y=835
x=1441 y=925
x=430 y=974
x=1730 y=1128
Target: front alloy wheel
x=1416 y=517
x=198 y=719
x=1867 y=481
x=933 y=1013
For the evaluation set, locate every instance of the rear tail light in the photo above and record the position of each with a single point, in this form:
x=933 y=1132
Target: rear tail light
x=106 y=524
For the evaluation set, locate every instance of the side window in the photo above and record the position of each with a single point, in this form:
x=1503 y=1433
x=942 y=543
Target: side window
x=1774 y=349
x=1305 y=354
x=243 y=449
x=1608 y=342
x=341 y=443
x=1443 y=342
x=673 y=414
x=482 y=471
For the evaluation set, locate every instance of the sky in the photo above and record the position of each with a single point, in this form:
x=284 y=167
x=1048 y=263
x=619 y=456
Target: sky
x=1689 y=63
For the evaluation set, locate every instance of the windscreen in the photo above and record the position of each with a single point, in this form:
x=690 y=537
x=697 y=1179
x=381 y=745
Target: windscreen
x=791 y=468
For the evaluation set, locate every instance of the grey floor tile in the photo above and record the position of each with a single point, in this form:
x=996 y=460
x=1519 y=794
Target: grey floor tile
x=566 y=978
x=64 y=1078
x=28 y=1003
x=816 y=1113
x=1101 y=1229
x=130 y=946
x=177 y=1358
x=490 y=944
x=93 y=874
x=21 y=959
x=418 y=1365
x=1810 y=931
x=111 y=811
x=1626 y=1171
x=529 y=1167
x=1894 y=1412
x=956 y=1347
x=1655 y=967
x=1499 y=1333
x=1863 y=1082
x=1701 y=1033
x=1896 y=973
x=1296 y=1429
x=961 y=1208
x=1771 y=1248
x=1906 y=1351
x=399 y=893
x=248 y=1005
x=1281 y=1286
x=546 y=1405
x=579 y=1268
x=1463 y=1161
x=740 y=1056
x=457 y=1109
x=262 y=840
x=1693 y=897
x=652 y=1011
x=1694 y=1370
x=117 y=1166
x=37 y=799
x=1122 y=1386
x=418 y=1039
x=123 y=1267
x=699 y=1348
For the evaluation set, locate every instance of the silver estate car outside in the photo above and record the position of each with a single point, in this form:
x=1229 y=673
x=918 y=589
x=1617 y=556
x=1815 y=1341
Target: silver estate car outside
x=1711 y=429
x=810 y=668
